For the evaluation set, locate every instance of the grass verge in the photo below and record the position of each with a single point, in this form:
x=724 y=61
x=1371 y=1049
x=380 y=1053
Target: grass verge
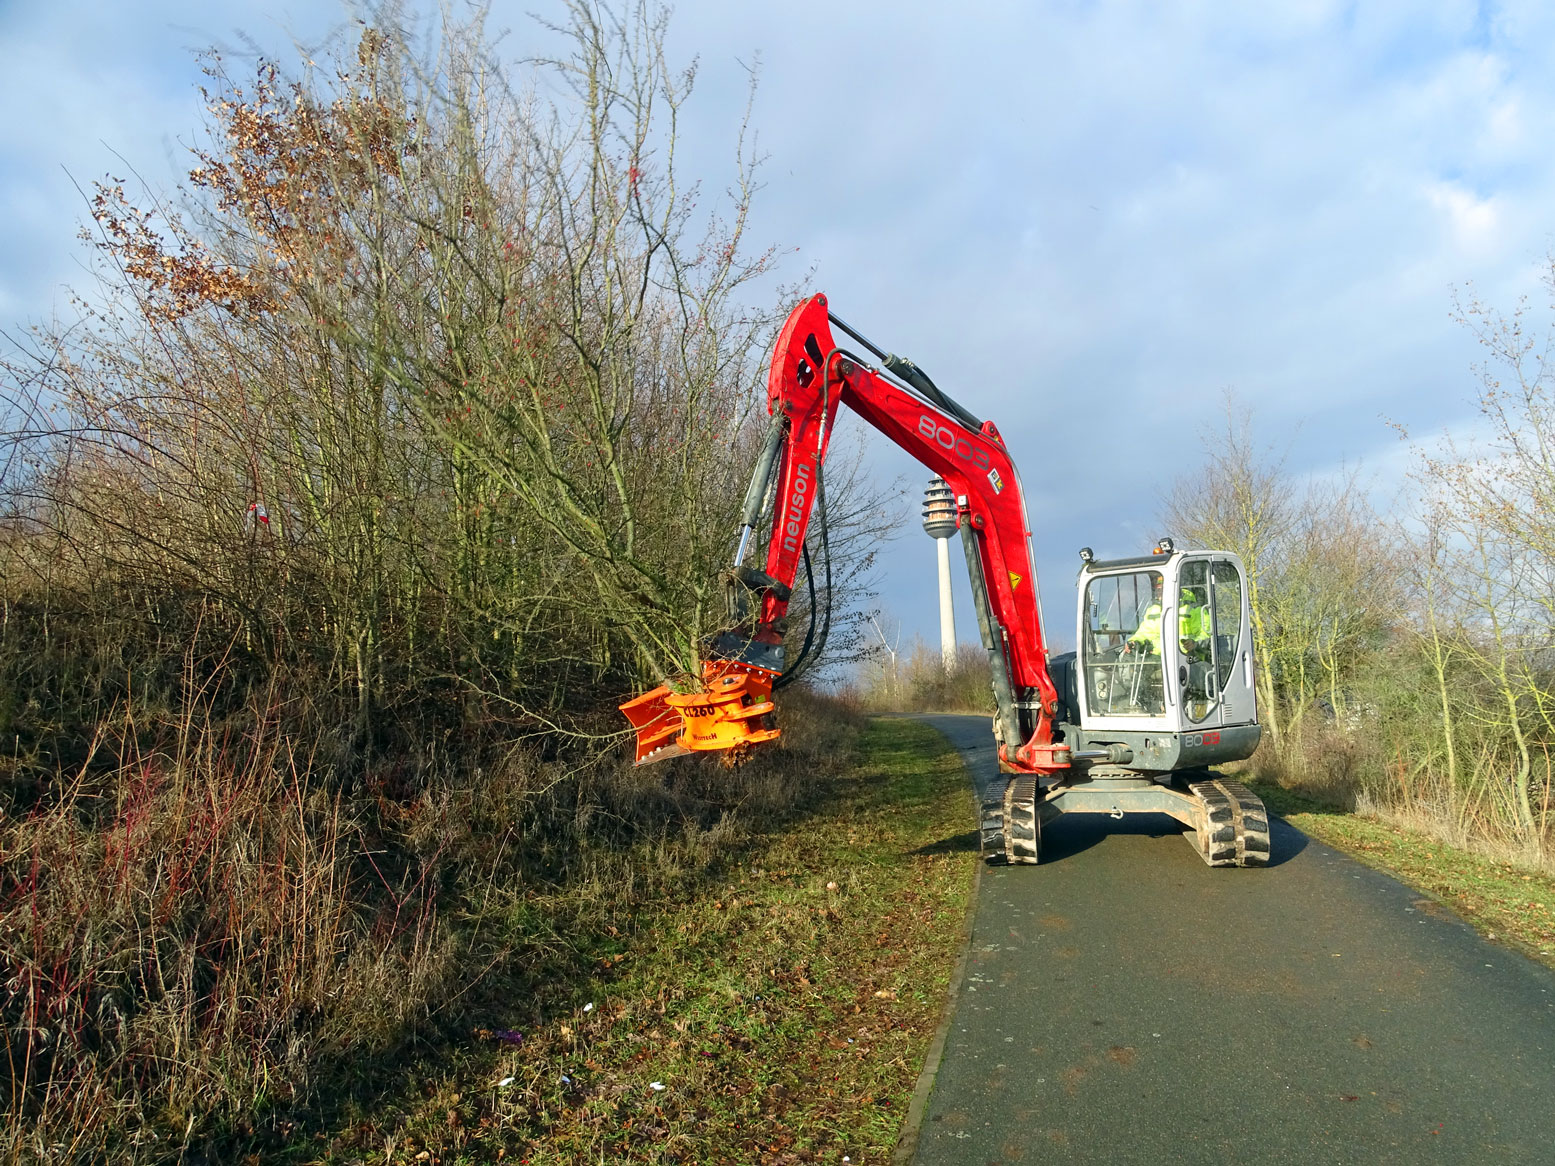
x=1508 y=903
x=780 y=1014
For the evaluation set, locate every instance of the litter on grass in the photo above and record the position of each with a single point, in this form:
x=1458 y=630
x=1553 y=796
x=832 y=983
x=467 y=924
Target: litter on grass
x=504 y=1083
x=657 y=1086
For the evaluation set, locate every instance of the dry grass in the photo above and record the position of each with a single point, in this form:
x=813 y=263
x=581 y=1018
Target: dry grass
x=917 y=681
x=1429 y=822
x=1355 y=771
x=211 y=942
x=782 y=990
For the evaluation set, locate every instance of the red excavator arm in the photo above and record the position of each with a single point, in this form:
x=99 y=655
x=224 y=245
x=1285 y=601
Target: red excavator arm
x=810 y=379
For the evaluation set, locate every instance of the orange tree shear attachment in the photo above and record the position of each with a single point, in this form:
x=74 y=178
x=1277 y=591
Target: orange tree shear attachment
x=727 y=715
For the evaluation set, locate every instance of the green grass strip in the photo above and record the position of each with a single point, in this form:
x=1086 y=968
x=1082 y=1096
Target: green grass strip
x=1508 y=903
x=785 y=1010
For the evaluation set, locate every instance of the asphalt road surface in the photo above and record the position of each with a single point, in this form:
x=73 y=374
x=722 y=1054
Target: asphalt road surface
x=1122 y=1002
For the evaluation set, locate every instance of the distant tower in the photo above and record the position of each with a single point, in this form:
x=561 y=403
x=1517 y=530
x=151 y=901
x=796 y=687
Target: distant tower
x=939 y=521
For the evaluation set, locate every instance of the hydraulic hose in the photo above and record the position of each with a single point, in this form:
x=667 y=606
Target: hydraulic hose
x=792 y=672
x=813 y=644
x=915 y=377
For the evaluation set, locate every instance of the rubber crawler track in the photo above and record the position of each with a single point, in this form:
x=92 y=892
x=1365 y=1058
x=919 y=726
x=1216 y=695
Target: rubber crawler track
x=991 y=828
x=1022 y=831
x=1236 y=825
x=1010 y=831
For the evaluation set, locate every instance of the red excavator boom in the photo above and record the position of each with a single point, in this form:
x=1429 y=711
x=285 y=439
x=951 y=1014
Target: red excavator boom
x=811 y=378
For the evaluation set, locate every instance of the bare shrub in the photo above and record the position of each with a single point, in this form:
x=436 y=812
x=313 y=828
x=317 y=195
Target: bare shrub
x=392 y=457
x=436 y=389
x=918 y=681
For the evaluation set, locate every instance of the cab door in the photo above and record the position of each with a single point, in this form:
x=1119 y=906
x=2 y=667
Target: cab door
x=1213 y=663
x=1194 y=655
x=1233 y=641
x=1123 y=683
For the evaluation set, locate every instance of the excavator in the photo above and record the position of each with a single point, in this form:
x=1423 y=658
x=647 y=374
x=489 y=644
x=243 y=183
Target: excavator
x=1159 y=689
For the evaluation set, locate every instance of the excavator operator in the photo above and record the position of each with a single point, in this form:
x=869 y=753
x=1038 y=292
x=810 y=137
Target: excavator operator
x=1146 y=640
x=1193 y=625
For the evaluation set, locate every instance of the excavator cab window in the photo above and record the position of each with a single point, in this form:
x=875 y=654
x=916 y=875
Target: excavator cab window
x=1122 y=650
x=1209 y=618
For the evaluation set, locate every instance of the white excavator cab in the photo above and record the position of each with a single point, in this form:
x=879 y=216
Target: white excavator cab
x=1165 y=657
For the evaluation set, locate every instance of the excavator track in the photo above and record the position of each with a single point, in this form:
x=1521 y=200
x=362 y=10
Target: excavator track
x=991 y=830
x=1236 y=825
x=1011 y=832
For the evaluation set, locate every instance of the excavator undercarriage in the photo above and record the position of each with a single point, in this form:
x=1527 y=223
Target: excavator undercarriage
x=1227 y=822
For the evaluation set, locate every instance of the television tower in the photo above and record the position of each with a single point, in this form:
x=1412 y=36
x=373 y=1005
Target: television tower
x=939 y=522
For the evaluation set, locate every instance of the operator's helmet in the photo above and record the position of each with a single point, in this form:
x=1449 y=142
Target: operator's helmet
x=1189 y=595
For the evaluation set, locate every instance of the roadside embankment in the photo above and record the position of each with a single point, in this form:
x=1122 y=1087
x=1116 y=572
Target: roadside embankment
x=778 y=1013
x=222 y=955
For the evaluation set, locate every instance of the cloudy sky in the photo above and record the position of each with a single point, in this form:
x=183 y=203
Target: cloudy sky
x=1084 y=220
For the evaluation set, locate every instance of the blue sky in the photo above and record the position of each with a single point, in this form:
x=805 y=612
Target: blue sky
x=1085 y=220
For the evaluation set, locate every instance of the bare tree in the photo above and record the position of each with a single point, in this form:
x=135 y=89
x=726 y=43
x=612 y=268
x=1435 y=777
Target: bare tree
x=1323 y=574
x=431 y=380
x=1493 y=537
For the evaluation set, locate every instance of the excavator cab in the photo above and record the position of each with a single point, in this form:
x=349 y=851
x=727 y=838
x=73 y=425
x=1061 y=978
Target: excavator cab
x=1159 y=689
x=1165 y=662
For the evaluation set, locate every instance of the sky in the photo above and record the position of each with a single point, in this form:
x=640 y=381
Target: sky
x=1086 y=220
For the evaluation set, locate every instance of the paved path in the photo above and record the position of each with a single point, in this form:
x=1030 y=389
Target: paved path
x=1125 y=1003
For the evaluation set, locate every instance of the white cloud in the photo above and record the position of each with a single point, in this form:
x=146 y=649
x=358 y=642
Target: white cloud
x=1471 y=220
